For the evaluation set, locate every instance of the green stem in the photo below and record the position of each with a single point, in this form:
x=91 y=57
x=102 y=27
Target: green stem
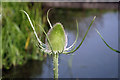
x=55 y=64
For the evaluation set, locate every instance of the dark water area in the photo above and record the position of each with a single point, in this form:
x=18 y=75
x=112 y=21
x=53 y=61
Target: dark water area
x=92 y=60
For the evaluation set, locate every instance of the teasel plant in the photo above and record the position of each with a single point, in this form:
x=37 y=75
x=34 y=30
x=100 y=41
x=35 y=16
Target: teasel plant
x=56 y=41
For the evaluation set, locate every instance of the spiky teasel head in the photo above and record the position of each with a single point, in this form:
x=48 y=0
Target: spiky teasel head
x=57 y=37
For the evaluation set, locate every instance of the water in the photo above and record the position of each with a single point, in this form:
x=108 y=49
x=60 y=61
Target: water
x=93 y=59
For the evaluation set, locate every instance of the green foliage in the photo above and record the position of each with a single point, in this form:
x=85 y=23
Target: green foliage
x=18 y=41
x=0 y=37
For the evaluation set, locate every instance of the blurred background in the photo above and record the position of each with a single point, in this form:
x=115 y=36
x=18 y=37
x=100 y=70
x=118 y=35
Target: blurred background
x=21 y=57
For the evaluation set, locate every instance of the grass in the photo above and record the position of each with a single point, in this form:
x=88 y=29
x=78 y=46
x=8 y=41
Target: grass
x=0 y=35
x=18 y=41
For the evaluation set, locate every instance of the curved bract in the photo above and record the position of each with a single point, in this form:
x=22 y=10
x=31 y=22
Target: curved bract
x=32 y=27
x=106 y=42
x=73 y=50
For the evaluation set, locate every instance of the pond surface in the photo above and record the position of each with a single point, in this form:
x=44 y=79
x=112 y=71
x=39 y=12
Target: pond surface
x=93 y=59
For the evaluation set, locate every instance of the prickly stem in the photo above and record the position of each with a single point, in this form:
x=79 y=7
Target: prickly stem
x=55 y=65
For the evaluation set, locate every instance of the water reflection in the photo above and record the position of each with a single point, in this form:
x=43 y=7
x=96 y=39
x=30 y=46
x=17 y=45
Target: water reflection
x=31 y=68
